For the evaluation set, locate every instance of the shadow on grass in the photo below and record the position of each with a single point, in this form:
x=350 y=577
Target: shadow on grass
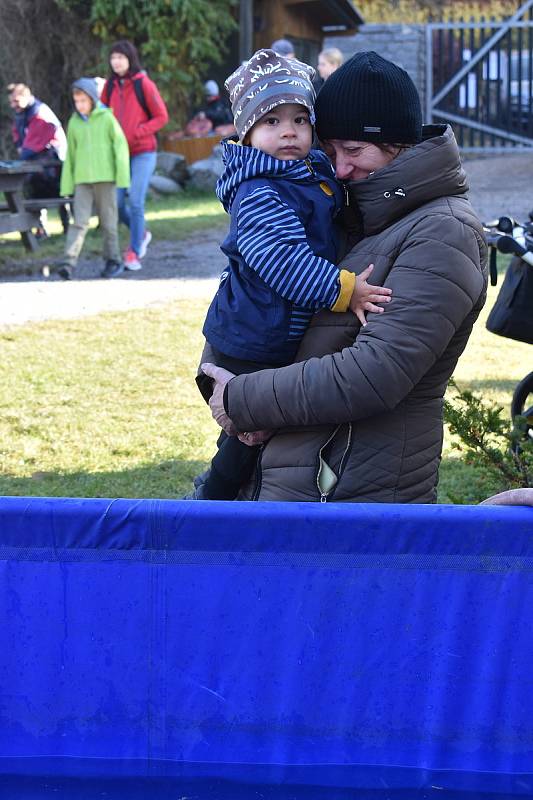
x=459 y=483
x=167 y=479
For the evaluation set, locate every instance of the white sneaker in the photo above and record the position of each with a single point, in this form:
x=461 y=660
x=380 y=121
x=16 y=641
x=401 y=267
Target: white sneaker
x=144 y=244
x=131 y=261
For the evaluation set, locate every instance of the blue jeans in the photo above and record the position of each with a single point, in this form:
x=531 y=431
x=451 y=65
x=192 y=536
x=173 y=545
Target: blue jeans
x=131 y=201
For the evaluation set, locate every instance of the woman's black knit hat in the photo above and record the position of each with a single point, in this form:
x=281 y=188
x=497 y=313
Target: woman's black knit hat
x=369 y=99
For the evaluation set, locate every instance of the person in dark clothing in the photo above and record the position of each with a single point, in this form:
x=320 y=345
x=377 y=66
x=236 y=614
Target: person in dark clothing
x=283 y=47
x=216 y=108
x=39 y=136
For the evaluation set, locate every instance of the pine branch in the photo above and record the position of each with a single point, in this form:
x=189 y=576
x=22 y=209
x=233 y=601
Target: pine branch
x=490 y=440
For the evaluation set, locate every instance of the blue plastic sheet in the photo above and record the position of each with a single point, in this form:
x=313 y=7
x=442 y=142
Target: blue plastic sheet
x=387 y=649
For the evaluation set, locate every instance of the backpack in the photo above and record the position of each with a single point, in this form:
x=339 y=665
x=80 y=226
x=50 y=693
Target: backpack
x=512 y=313
x=139 y=93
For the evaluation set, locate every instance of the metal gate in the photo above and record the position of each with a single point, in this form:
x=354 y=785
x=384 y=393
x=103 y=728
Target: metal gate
x=479 y=77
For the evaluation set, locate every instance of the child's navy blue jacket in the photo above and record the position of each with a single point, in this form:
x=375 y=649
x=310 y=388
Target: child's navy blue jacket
x=281 y=250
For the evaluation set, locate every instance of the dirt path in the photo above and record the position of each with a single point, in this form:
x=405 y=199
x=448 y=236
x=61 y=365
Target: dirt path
x=187 y=268
x=501 y=184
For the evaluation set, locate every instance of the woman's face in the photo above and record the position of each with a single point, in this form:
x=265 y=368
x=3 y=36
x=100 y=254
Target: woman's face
x=119 y=64
x=325 y=67
x=355 y=161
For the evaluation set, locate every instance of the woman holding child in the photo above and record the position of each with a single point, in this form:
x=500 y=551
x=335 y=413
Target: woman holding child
x=358 y=416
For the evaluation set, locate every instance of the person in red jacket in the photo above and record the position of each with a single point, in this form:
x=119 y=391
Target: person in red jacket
x=141 y=112
x=39 y=136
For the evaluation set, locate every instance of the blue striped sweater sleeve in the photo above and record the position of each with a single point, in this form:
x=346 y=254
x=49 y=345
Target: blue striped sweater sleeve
x=272 y=240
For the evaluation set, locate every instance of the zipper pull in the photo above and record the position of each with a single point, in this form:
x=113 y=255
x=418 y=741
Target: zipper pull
x=323 y=498
x=346 y=196
x=307 y=163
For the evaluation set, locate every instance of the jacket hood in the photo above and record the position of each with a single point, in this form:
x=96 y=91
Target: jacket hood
x=130 y=76
x=98 y=111
x=243 y=163
x=425 y=172
x=87 y=85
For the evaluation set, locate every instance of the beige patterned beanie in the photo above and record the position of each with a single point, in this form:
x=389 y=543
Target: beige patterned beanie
x=265 y=81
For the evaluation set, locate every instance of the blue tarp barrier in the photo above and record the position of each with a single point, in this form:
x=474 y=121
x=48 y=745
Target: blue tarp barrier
x=326 y=648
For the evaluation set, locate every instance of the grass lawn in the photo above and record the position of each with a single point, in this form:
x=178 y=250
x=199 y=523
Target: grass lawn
x=106 y=406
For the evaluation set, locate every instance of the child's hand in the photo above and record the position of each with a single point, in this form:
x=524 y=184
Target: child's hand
x=365 y=296
x=255 y=437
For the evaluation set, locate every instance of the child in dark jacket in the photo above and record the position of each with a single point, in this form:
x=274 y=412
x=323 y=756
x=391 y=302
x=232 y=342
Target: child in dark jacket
x=282 y=197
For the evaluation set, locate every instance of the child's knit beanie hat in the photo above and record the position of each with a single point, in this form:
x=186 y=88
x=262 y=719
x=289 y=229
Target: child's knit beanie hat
x=87 y=85
x=369 y=99
x=265 y=81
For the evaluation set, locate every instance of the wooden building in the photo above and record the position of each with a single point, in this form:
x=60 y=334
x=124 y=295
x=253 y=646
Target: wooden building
x=304 y=22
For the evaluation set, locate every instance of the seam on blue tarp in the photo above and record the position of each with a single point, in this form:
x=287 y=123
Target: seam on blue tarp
x=407 y=561
x=156 y=555
x=151 y=700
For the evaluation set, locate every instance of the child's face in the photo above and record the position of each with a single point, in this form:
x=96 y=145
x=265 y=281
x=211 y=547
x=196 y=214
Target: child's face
x=83 y=103
x=285 y=132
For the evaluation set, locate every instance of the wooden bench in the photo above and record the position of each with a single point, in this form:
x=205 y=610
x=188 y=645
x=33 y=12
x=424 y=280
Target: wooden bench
x=37 y=203
x=32 y=208
x=18 y=213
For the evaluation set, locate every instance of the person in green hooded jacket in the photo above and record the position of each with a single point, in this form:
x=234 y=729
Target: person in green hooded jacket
x=97 y=162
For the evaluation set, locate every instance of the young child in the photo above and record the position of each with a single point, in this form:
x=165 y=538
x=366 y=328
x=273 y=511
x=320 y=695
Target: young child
x=282 y=198
x=97 y=163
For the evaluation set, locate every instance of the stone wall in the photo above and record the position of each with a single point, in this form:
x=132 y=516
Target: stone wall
x=403 y=44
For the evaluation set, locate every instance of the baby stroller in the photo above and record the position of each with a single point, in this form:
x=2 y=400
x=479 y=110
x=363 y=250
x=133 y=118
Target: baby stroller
x=512 y=313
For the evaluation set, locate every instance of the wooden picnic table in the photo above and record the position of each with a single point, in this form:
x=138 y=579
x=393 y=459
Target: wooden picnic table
x=16 y=217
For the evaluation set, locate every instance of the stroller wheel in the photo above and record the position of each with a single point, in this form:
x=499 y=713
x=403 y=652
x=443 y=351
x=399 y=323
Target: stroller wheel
x=522 y=403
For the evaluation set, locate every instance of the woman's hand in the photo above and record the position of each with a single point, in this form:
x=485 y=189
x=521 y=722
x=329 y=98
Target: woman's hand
x=220 y=377
x=365 y=296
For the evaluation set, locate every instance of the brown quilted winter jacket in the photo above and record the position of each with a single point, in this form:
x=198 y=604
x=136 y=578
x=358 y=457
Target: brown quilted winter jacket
x=360 y=415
